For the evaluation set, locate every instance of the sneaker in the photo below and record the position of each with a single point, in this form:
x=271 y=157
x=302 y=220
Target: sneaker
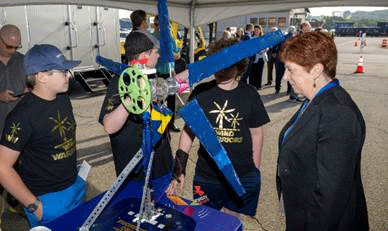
x=292 y=100
x=300 y=98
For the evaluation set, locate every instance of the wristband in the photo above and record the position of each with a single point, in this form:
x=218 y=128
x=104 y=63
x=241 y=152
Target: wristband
x=31 y=208
x=180 y=163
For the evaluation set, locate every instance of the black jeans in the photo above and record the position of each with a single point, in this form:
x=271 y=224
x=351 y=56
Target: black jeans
x=245 y=76
x=256 y=75
x=279 y=66
x=270 y=64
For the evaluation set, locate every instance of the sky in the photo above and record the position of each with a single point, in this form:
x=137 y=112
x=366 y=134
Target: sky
x=327 y=11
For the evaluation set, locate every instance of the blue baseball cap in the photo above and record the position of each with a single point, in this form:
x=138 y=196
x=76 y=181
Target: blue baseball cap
x=46 y=57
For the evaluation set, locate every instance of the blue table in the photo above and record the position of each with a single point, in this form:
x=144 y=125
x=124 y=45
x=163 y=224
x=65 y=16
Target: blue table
x=124 y=206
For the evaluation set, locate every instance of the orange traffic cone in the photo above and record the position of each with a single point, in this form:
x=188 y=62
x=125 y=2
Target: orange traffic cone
x=384 y=43
x=360 y=65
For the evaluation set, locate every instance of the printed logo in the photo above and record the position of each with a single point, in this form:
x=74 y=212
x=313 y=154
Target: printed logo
x=222 y=113
x=109 y=105
x=66 y=130
x=13 y=135
x=228 y=129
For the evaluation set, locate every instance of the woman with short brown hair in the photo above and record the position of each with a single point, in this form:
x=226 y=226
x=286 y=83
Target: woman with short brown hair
x=319 y=164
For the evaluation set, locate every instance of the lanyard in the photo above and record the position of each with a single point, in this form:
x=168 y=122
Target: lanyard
x=304 y=106
x=328 y=86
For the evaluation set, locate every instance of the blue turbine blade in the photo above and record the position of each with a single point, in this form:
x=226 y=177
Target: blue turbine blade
x=111 y=65
x=231 y=55
x=197 y=121
x=166 y=55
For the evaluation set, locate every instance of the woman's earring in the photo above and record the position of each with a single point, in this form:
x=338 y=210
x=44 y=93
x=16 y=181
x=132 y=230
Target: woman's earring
x=314 y=85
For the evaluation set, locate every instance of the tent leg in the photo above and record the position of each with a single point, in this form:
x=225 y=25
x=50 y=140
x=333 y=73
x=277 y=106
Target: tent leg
x=192 y=31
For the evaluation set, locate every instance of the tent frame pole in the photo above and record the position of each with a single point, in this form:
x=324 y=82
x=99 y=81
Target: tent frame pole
x=192 y=31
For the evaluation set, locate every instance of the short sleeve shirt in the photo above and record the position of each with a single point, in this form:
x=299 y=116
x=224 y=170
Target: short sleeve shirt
x=231 y=113
x=12 y=77
x=44 y=133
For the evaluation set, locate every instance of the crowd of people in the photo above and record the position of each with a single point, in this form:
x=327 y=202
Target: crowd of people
x=318 y=170
x=269 y=56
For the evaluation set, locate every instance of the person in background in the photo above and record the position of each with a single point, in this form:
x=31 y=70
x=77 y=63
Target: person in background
x=139 y=20
x=12 y=74
x=239 y=33
x=249 y=28
x=279 y=66
x=163 y=71
x=304 y=27
x=290 y=91
x=319 y=164
x=271 y=61
x=41 y=130
x=12 y=83
x=139 y=23
x=244 y=147
x=226 y=35
x=256 y=74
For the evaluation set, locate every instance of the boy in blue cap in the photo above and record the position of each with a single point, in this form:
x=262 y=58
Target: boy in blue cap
x=41 y=131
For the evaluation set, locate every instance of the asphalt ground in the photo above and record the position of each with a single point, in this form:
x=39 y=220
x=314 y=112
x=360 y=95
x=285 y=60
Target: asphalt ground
x=369 y=91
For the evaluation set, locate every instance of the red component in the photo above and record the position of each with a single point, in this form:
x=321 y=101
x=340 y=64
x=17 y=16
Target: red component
x=140 y=61
x=360 y=69
x=197 y=190
x=384 y=44
x=143 y=60
x=188 y=211
x=360 y=65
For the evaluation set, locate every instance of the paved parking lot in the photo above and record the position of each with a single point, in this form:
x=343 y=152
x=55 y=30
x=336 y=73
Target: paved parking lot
x=369 y=90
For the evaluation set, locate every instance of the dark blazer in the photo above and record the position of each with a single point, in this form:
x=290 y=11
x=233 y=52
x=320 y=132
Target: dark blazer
x=319 y=166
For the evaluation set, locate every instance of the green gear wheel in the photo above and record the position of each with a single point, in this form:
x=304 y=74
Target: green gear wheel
x=135 y=85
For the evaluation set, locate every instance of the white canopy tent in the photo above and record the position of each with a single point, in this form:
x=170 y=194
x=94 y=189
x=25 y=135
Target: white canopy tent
x=199 y=12
x=191 y=13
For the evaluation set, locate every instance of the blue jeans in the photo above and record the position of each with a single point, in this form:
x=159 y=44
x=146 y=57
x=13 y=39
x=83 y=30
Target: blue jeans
x=56 y=204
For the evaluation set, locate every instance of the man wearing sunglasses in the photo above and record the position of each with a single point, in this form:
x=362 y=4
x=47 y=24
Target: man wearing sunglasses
x=12 y=75
x=12 y=81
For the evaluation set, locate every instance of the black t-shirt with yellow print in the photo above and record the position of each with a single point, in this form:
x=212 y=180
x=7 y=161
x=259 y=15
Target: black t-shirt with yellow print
x=44 y=133
x=128 y=140
x=231 y=113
